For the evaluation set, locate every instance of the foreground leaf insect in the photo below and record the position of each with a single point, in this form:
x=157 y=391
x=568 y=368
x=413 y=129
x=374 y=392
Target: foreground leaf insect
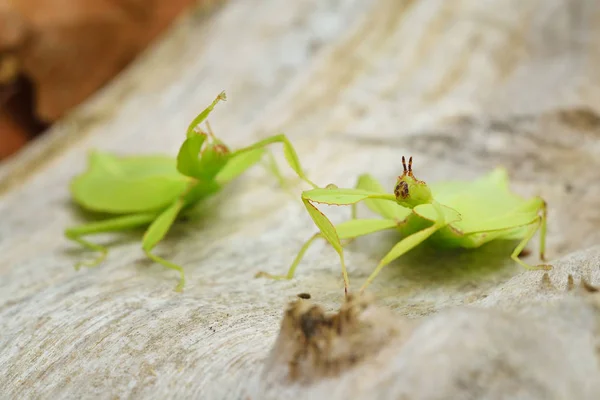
x=449 y=214
x=153 y=190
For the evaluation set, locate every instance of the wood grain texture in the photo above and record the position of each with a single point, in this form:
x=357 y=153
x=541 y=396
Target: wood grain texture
x=460 y=85
x=535 y=338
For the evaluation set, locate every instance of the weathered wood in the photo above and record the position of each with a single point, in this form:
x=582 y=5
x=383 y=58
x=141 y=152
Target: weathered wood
x=460 y=85
x=536 y=342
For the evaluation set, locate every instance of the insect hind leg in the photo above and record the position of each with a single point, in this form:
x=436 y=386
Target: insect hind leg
x=170 y=265
x=73 y=235
x=532 y=229
x=291 y=271
x=111 y=225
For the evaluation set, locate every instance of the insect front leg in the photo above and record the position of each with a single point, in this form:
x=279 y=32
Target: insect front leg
x=272 y=167
x=336 y=196
x=347 y=230
x=156 y=232
x=385 y=208
x=204 y=114
x=238 y=164
x=407 y=244
x=111 y=225
x=290 y=154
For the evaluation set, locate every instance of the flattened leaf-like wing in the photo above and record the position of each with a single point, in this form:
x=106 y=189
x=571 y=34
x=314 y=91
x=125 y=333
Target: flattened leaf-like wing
x=482 y=203
x=361 y=227
x=123 y=185
x=429 y=212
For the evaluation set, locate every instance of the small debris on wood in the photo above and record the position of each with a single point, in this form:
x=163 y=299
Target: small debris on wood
x=588 y=286
x=546 y=283
x=313 y=345
x=583 y=284
x=570 y=282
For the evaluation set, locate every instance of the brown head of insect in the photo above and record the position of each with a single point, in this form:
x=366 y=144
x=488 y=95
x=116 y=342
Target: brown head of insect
x=213 y=146
x=410 y=191
x=213 y=155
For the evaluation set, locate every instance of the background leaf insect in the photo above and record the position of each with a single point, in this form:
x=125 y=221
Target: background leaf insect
x=155 y=190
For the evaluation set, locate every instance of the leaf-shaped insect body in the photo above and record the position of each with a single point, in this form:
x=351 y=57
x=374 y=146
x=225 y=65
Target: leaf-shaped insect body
x=448 y=214
x=153 y=191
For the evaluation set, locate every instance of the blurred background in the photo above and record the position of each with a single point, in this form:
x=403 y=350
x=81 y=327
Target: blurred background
x=56 y=53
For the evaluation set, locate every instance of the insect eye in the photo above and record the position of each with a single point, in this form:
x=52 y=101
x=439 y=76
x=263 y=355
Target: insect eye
x=401 y=190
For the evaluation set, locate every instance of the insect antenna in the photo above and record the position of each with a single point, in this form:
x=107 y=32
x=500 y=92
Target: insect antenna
x=410 y=173
x=210 y=131
x=404 y=164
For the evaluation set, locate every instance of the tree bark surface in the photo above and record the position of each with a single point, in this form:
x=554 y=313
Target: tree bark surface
x=462 y=86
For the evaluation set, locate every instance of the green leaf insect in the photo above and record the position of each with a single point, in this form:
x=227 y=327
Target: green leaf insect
x=154 y=190
x=448 y=214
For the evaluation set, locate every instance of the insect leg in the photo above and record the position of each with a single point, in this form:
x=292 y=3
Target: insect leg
x=292 y=269
x=385 y=208
x=237 y=165
x=530 y=215
x=111 y=225
x=240 y=162
x=202 y=116
x=346 y=230
x=156 y=232
x=543 y=231
x=353 y=207
x=538 y=205
x=274 y=169
x=288 y=150
x=533 y=227
x=405 y=245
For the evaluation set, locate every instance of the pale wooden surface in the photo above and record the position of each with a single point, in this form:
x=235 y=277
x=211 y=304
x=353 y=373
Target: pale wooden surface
x=460 y=85
x=532 y=337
